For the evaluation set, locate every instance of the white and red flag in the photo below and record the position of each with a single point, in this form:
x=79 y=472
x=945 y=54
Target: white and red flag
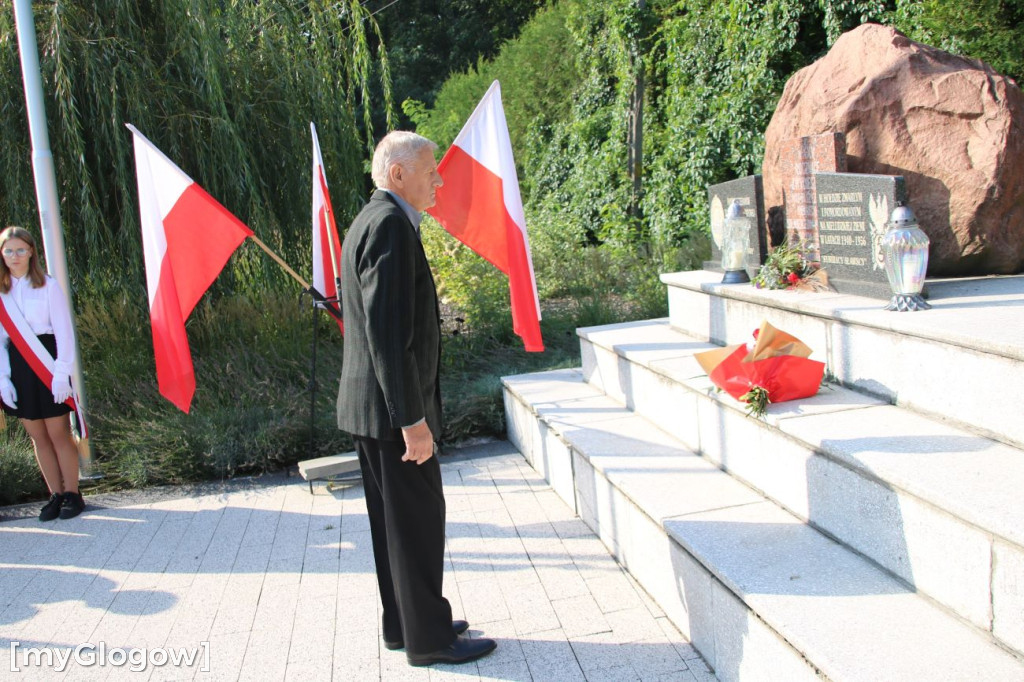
x=187 y=237
x=480 y=205
x=326 y=247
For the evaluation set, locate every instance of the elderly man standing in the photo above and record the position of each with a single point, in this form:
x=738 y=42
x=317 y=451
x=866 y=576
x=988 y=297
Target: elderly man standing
x=390 y=401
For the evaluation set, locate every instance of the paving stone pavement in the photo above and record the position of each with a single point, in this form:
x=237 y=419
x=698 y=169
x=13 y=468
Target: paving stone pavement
x=269 y=582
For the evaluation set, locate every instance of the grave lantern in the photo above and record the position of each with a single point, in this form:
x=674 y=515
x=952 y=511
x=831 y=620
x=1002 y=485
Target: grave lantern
x=905 y=254
x=735 y=244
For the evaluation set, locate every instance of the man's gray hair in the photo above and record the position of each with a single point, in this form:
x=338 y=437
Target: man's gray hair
x=397 y=147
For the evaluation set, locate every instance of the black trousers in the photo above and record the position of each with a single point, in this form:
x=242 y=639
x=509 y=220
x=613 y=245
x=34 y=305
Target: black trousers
x=405 y=503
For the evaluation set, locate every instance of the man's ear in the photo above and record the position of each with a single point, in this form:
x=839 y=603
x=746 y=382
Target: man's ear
x=396 y=174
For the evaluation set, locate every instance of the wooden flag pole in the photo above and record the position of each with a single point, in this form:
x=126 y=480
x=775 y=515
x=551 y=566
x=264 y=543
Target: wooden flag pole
x=330 y=307
x=332 y=229
x=280 y=261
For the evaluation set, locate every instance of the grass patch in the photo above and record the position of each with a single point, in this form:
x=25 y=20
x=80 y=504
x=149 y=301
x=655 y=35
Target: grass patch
x=20 y=479
x=251 y=408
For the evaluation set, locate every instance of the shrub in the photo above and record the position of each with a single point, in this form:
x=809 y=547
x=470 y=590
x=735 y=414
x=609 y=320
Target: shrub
x=20 y=479
x=251 y=408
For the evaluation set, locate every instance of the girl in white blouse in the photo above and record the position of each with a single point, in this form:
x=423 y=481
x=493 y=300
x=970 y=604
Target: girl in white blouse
x=41 y=408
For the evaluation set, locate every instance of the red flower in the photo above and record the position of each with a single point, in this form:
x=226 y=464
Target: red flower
x=792 y=278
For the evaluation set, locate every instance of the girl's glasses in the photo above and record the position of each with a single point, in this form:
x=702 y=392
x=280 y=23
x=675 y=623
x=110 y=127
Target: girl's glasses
x=15 y=252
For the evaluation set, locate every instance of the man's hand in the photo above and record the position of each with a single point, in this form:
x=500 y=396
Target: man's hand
x=419 y=443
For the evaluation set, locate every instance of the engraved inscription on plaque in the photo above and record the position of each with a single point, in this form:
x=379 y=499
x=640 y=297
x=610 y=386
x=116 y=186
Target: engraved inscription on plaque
x=853 y=213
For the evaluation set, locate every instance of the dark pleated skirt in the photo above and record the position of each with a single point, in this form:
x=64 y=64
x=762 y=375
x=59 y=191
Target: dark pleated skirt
x=34 y=398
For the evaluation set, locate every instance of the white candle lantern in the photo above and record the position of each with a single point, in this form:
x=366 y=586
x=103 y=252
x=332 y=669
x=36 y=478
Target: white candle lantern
x=735 y=244
x=905 y=253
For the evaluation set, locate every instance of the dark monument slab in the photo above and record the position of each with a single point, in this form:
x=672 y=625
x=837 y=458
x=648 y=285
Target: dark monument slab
x=853 y=215
x=749 y=192
x=801 y=158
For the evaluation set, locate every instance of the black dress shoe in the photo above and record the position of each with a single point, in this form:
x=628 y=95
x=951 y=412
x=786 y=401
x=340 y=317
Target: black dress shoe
x=462 y=650
x=459 y=626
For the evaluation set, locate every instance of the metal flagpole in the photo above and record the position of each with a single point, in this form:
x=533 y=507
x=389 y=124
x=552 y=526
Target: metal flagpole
x=46 y=187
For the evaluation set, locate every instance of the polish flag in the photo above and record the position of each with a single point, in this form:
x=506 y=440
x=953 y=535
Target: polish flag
x=326 y=247
x=187 y=237
x=480 y=205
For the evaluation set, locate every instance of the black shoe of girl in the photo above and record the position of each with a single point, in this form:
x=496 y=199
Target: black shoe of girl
x=73 y=505
x=51 y=509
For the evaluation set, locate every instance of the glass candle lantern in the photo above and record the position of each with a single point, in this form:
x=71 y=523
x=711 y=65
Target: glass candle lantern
x=735 y=244
x=905 y=253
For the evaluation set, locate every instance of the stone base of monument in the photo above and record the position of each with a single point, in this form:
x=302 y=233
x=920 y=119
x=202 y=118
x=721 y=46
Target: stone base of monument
x=873 y=531
x=333 y=469
x=716 y=267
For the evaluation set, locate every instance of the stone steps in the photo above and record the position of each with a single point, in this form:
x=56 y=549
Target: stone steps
x=938 y=507
x=962 y=361
x=761 y=594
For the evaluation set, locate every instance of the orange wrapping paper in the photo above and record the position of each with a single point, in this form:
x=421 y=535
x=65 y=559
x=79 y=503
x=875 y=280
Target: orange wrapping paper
x=778 y=363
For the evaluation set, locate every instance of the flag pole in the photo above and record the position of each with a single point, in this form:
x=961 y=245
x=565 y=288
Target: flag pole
x=280 y=261
x=305 y=285
x=46 y=193
x=332 y=229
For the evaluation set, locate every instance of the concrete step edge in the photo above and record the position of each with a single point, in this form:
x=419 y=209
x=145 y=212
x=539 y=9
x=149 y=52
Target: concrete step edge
x=675 y=527
x=958 y=362
x=863 y=311
x=786 y=418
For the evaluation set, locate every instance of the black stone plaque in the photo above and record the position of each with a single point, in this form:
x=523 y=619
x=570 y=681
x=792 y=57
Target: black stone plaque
x=853 y=214
x=751 y=197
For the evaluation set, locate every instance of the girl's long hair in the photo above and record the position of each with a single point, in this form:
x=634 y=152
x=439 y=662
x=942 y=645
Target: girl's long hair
x=35 y=270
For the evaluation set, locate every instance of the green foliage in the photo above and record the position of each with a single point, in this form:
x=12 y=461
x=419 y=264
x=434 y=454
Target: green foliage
x=839 y=16
x=723 y=66
x=784 y=266
x=473 y=362
x=251 y=408
x=468 y=284
x=612 y=280
x=533 y=93
x=989 y=30
x=225 y=89
x=429 y=40
x=20 y=479
x=757 y=401
x=712 y=70
x=462 y=92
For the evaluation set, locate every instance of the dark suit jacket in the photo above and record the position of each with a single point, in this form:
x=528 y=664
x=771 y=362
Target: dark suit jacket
x=389 y=378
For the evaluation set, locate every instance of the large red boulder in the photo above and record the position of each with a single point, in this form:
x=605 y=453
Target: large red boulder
x=952 y=127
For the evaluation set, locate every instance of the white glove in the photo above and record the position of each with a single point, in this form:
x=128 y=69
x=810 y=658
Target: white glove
x=7 y=392
x=61 y=388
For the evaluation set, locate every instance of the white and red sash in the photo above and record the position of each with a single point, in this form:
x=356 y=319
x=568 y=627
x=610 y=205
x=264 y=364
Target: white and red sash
x=35 y=354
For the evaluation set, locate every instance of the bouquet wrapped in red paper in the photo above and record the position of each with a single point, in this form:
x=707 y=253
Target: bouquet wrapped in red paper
x=774 y=369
